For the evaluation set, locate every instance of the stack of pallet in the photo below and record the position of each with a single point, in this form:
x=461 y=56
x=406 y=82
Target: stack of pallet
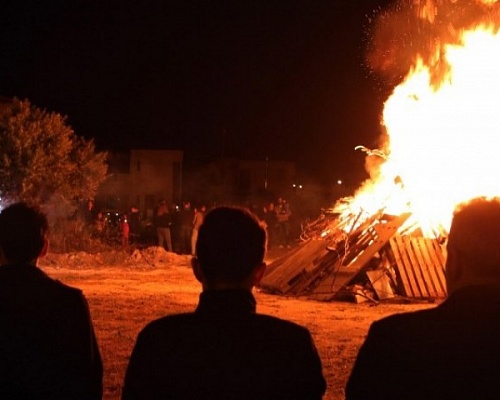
x=375 y=253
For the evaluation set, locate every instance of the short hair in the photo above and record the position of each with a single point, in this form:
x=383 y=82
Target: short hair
x=23 y=230
x=231 y=244
x=475 y=235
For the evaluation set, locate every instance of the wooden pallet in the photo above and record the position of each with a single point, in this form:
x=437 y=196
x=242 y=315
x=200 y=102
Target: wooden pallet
x=298 y=271
x=283 y=275
x=356 y=260
x=419 y=265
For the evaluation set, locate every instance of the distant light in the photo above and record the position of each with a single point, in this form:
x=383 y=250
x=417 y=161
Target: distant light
x=339 y=182
x=294 y=185
x=300 y=186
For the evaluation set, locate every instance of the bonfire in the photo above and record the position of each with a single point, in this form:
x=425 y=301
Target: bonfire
x=438 y=149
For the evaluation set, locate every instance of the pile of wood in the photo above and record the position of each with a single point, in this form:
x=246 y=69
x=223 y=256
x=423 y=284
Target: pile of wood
x=376 y=261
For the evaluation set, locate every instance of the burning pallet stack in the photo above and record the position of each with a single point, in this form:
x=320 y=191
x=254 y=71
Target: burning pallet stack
x=378 y=260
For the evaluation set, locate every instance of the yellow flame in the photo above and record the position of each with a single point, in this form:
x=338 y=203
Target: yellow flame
x=444 y=140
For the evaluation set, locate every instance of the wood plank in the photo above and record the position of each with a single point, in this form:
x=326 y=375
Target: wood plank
x=309 y=281
x=427 y=248
x=385 y=232
x=419 y=271
x=380 y=283
x=438 y=261
x=343 y=275
x=404 y=280
x=287 y=270
x=288 y=255
x=418 y=246
x=438 y=253
x=415 y=267
x=406 y=265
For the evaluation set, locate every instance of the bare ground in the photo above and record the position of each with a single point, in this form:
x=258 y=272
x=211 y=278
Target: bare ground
x=124 y=296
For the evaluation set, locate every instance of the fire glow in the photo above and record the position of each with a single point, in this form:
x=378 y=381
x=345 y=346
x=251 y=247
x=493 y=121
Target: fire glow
x=443 y=132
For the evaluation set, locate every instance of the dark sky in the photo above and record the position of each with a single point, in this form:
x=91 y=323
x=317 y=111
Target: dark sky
x=285 y=79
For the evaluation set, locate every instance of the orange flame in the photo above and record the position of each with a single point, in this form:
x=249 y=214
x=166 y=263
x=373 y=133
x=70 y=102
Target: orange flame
x=443 y=145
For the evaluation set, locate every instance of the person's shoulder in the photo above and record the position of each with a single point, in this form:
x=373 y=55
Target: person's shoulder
x=63 y=287
x=410 y=321
x=168 y=323
x=68 y=294
x=281 y=325
x=34 y=274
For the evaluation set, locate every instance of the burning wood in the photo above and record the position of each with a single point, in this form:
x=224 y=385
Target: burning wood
x=340 y=255
x=439 y=148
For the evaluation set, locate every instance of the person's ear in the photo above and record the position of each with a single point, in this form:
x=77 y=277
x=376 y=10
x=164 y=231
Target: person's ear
x=453 y=269
x=45 y=248
x=195 y=264
x=259 y=274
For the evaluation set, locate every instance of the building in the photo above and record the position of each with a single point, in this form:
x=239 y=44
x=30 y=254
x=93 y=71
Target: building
x=141 y=178
x=234 y=180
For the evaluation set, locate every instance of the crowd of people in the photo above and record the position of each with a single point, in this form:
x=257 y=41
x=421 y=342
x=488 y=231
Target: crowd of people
x=176 y=228
x=170 y=227
x=276 y=217
x=224 y=349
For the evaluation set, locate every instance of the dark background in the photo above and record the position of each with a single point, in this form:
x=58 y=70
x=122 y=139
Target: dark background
x=283 y=79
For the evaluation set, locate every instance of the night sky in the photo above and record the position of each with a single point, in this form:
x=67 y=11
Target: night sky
x=284 y=79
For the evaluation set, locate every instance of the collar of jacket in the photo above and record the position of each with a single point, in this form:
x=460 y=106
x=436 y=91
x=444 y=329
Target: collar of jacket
x=226 y=302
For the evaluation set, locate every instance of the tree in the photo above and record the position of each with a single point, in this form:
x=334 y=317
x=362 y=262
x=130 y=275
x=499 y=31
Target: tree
x=43 y=161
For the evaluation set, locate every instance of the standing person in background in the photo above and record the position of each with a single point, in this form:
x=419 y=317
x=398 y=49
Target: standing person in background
x=271 y=223
x=48 y=349
x=283 y=214
x=125 y=231
x=224 y=349
x=175 y=229
x=100 y=225
x=451 y=351
x=198 y=220
x=186 y=217
x=135 y=224
x=89 y=215
x=162 y=221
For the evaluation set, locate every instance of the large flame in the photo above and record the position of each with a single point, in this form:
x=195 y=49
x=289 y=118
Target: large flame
x=443 y=135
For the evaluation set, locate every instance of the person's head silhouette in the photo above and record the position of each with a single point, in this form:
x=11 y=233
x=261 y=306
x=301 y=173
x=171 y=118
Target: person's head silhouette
x=230 y=250
x=474 y=244
x=23 y=234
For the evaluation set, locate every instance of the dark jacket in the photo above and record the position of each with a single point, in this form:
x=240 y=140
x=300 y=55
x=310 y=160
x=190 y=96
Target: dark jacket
x=47 y=345
x=224 y=350
x=162 y=220
x=448 y=352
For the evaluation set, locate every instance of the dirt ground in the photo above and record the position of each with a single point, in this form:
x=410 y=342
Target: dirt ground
x=126 y=293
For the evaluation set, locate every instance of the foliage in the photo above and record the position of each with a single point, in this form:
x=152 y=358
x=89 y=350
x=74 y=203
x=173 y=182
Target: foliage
x=43 y=161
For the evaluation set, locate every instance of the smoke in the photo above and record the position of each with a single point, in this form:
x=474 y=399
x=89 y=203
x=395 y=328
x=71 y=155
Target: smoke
x=411 y=29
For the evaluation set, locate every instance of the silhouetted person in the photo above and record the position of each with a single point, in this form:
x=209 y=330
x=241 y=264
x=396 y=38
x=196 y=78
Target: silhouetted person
x=162 y=221
x=48 y=348
x=451 y=351
x=224 y=350
x=135 y=224
x=283 y=214
x=198 y=220
x=89 y=213
x=186 y=218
